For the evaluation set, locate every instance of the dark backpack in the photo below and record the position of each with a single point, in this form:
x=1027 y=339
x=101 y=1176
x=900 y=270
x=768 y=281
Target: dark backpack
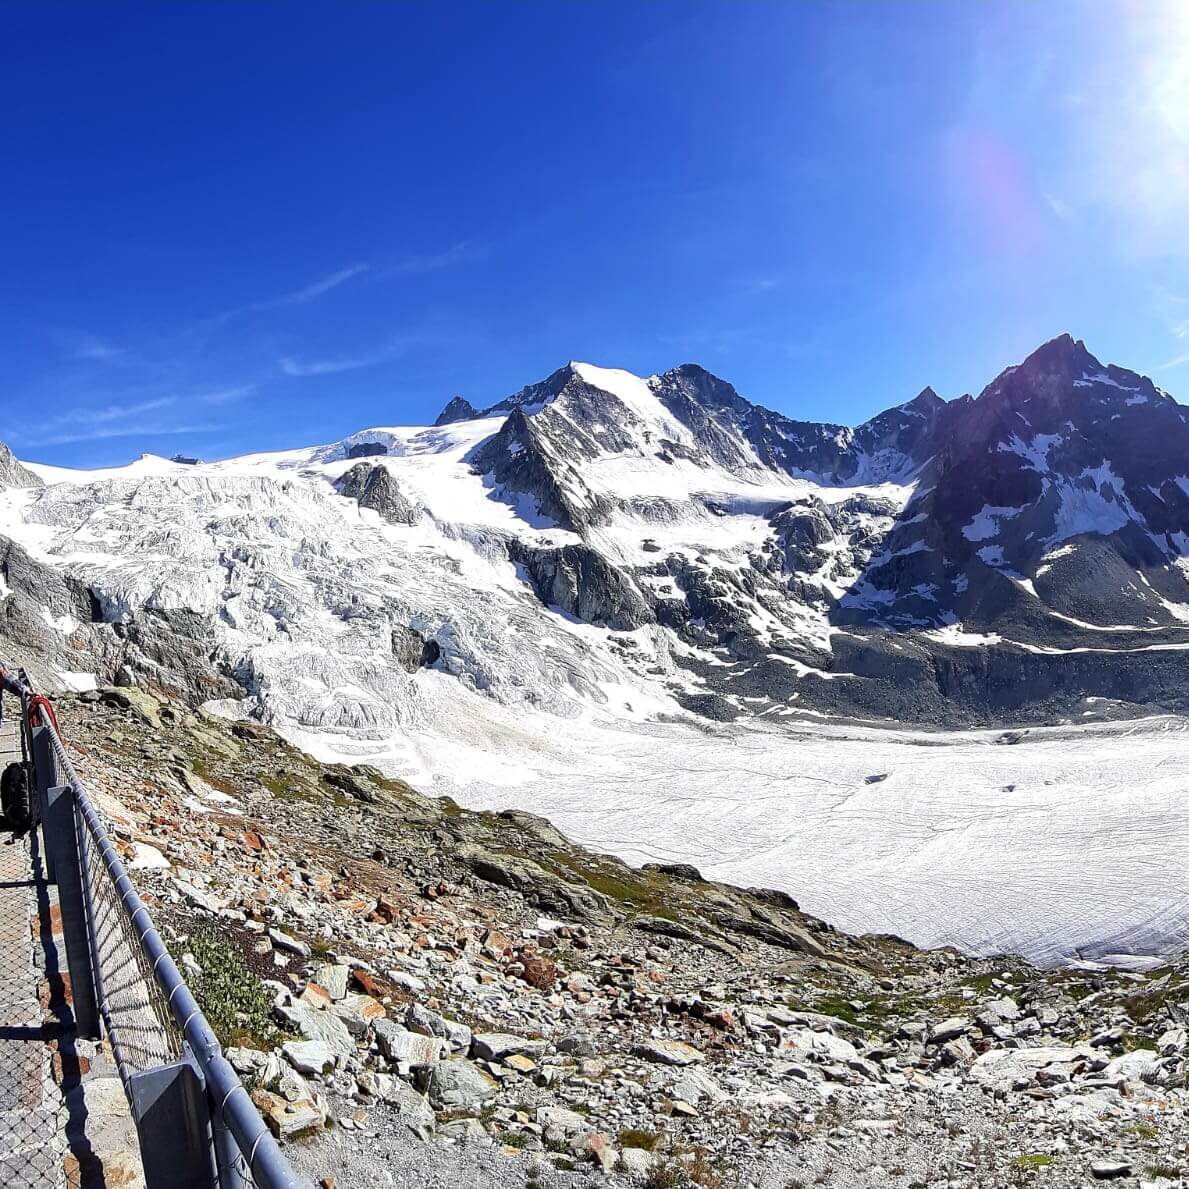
x=15 y=798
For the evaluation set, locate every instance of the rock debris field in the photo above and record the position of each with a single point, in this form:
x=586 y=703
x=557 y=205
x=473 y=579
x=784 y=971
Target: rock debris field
x=424 y=995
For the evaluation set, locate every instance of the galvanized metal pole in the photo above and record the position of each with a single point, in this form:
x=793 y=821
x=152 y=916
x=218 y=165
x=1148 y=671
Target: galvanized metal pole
x=173 y=1126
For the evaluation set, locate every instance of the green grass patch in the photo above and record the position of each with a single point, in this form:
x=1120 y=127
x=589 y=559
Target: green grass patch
x=232 y=998
x=1032 y=1160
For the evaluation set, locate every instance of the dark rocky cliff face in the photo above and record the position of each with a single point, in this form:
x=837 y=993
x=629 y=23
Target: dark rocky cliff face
x=372 y=486
x=1049 y=507
x=13 y=473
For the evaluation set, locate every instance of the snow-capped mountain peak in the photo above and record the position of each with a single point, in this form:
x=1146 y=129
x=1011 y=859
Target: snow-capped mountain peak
x=605 y=544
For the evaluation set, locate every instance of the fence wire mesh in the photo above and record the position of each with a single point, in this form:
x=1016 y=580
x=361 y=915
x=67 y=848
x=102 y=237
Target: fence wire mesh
x=32 y=1117
x=139 y=1024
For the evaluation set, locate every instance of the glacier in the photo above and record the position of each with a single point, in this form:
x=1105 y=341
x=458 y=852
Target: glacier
x=1069 y=843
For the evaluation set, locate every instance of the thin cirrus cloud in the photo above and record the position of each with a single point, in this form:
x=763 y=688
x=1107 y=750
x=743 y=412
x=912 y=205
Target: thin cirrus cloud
x=331 y=365
x=103 y=433
x=455 y=254
x=295 y=297
x=127 y=420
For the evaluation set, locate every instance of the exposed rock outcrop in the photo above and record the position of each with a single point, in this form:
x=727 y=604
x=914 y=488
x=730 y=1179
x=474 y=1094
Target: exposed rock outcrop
x=371 y=485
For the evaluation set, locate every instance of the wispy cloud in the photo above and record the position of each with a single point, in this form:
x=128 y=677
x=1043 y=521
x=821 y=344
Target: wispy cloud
x=1062 y=209
x=295 y=297
x=455 y=254
x=101 y=433
x=225 y=396
x=97 y=350
x=347 y=363
x=109 y=413
x=752 y=286
x=84 y=347
x=1178 y=361
x=316 y=289
x=128 y=419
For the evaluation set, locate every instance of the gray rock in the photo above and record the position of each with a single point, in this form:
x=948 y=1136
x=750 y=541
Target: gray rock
x=372 y=486
x=668 y=1052
x=577 y=1045
x=428 y=1023
x=583 y=583
x=310 y=1057
x=1141 y=1065
x=14 y=473
x=333 y=978
x=495 y=1046
x=290 y=945
x=822 y=1046
x=1110 y=1170
x=358 y=1014
x=412 y=1109
x=532 y=880
x=408 y=1050
x=315 y=1024
x=694 y=1085
x=947 y=1030
x=459 y=1085
x=636 y=1163
x=561 y=1119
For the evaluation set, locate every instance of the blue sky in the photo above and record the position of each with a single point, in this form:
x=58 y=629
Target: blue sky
x=229 y=227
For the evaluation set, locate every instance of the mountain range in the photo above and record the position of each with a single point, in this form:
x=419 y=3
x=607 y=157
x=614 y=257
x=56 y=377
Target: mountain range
x=603 y=544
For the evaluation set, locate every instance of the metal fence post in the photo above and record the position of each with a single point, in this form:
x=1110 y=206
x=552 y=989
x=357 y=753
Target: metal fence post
x=45 y=773
x=227 y=1153
x=173 y=1126
x=61 y=843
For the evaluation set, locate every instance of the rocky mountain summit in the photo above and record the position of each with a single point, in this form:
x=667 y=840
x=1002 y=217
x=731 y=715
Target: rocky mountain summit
x=425 y=996
x=1016 y=555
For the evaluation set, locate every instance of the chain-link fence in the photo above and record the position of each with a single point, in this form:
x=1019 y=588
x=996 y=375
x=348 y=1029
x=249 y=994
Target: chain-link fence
x=32 y=1115
x=197 y=1126
x=140 y=1027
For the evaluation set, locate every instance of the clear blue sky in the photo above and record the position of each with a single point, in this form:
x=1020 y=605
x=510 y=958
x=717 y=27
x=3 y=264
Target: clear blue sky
x=243 y=226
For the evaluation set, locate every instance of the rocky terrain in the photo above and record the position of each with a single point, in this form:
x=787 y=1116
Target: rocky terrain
x=426 y=996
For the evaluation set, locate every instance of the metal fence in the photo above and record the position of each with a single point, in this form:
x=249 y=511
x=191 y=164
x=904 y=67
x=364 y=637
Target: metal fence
x=33 y=1116
x=197 y=1126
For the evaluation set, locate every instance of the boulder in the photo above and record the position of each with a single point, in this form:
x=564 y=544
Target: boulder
x=422 y=1020
x=495 y=1046
x=286 y=1119
x=821 y=1046
x=405 y=1049
x=668 y=1052
x=334 y=978
x=311 y=1057
x=459 y=1085
x=358 y=1013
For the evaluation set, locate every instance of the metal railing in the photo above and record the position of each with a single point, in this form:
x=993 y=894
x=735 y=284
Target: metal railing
x=197 y=1126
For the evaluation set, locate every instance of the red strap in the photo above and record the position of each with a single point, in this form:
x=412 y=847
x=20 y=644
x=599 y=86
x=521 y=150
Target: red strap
x=37 y=704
